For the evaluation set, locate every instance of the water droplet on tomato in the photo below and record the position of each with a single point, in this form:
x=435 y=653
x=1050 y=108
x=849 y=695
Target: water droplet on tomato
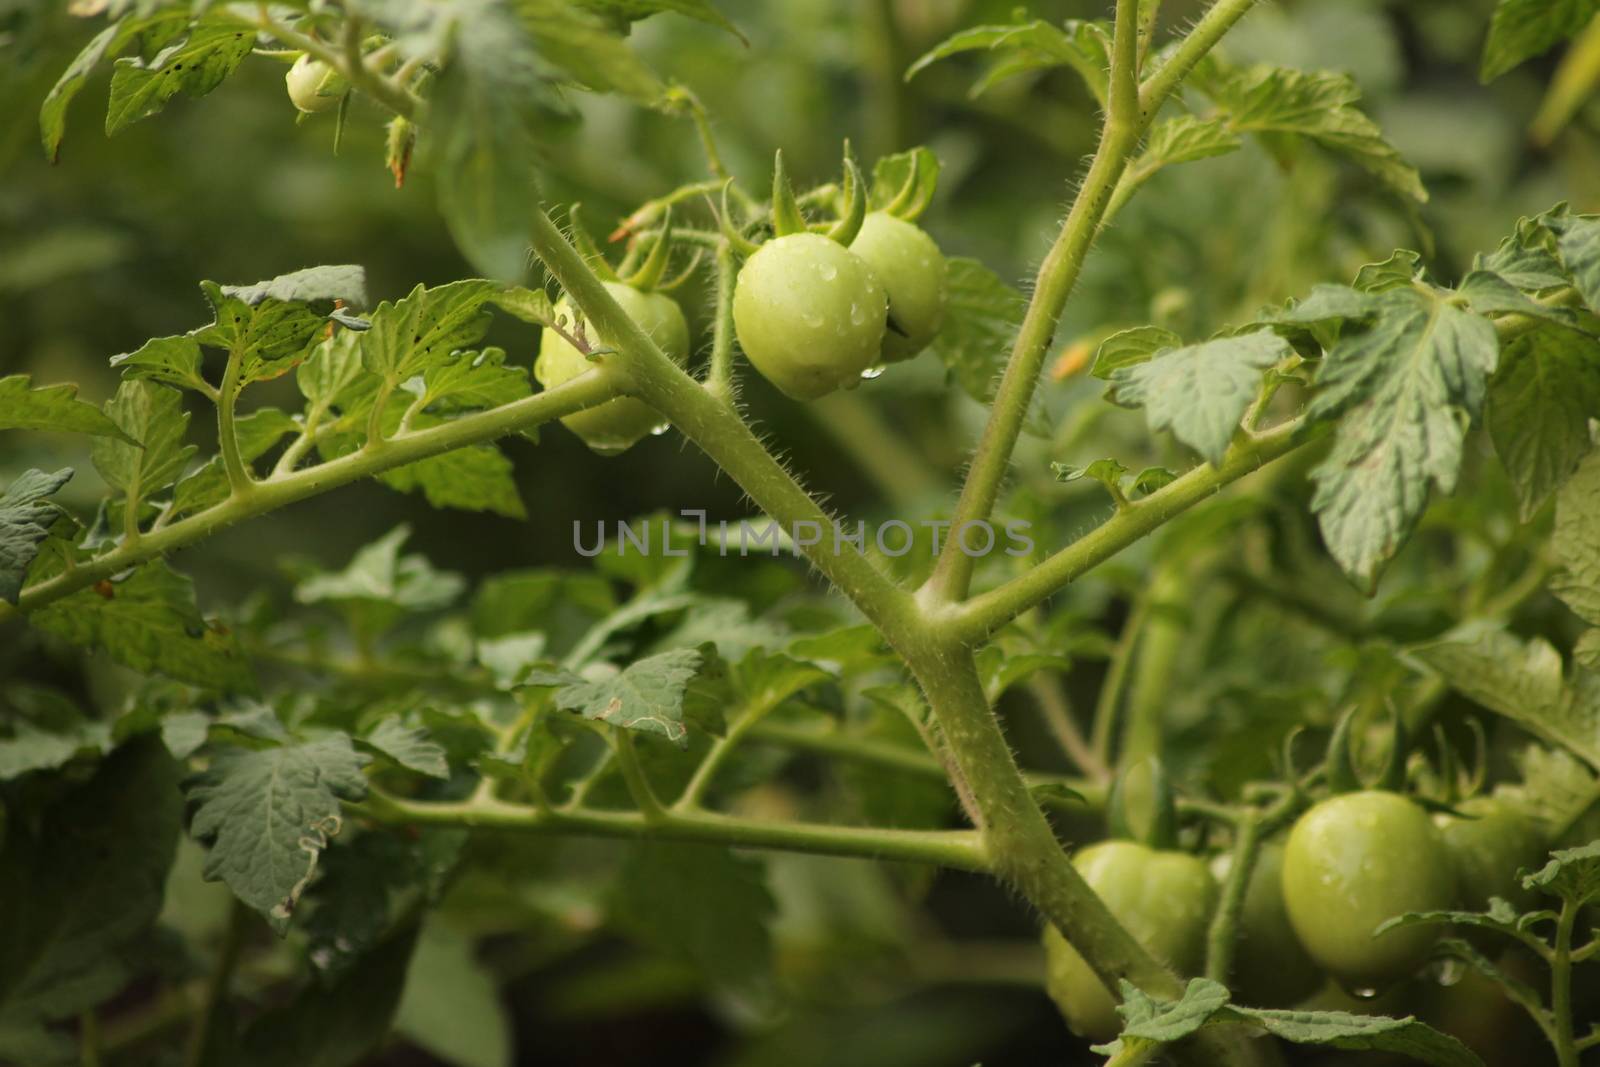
x=872 y=372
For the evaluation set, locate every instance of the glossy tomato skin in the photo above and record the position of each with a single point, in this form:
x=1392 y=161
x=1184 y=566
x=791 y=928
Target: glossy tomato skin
x=1165 y=899
x=809 y=314
x=1488 y=849
x=1271 y=969
x=1354 y=861
x=616 y=425
x=912 y=271
x=303 y=80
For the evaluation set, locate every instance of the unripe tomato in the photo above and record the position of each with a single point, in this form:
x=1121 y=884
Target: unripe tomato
x=809 y=314
x=911 y=268
x=616 y=425
x=1489 y=849
x=1271 y=969
x=1354 y=861
x=1165 y=900
x=304 y=81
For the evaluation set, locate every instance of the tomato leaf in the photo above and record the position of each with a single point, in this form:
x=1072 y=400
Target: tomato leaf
x=268 y=815
x=52 y=407
x=1522 y=29
x=1539 y=406
x=25 y=519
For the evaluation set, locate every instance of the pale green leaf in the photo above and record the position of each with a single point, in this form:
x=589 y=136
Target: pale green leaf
x=410 y=747
x=1575 y=542
x=52 y=407
x=1522 y=29
x=426 y=328
x=1200 y=392
x=1128 y=347
x=647 y=695
x=451 y=1006
x=154 y=415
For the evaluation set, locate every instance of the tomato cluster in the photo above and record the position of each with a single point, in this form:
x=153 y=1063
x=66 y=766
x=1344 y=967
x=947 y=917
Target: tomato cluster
x=813 y=315
x=1313 y=902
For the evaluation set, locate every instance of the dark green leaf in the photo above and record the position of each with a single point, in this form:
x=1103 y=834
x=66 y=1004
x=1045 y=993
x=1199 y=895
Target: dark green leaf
x=25 y=519
x=647 y=695
x=267 y=816
x=148 y=620
x=1522 y=29
x=1539 y=406
x=982 y=314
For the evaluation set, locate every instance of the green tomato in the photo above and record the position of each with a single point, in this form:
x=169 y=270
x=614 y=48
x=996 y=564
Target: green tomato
x=618 y=424
x=304 y=82
x=809 y=314
x=1489 y=849
x=911 y=268
x=1271 y=969
x=1354 y=861
x=1165 y=900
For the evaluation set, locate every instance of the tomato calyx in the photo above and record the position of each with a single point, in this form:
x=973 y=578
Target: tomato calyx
x=1344 y=775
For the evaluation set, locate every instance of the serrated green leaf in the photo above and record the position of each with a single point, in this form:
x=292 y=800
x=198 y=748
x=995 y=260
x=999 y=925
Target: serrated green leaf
x=380 y=586
x=108 y=42
x=426 y=328
x=473 y=478
x=471 y=381
x=1572 y=874
x=1377 y=1033
x=587 y=49
x=271 y=336
x=1404 y=391
x=1108 y=472
x=1579 y=246
x=1522 y=29
x=1539 y=406
x=267 y=815
x=148 y=621
x=1528 y=259
x=72 y=919
x=1519 y=679
x=410 y=747
x=508 y=659
x=1316 y=105
x=1129 y=347
x=1574 y=543
x=333 y=374
x=154 y=415
x=1179 y=140
x=25 y=519
x=647 y=695
x=196 y=65
x=1025 y=46
x=982 y=314
x=1200 y=392
x=52 y=407
x=171 y=360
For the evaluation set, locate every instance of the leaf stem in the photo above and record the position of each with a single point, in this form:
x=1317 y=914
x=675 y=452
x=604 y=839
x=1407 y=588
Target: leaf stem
x=1561 y=986
x=239 y=479
x=719 y=374
x=633 y=775
x=1057 y=276
x=958 y=849
x=975 y=619
x=584 y=391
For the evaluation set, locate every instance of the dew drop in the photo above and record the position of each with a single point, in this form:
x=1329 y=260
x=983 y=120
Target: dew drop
x=660 y=428
x=812 y=319
x=1364 y=994
x=858 y=314
x=872 y=372
x=827 y=271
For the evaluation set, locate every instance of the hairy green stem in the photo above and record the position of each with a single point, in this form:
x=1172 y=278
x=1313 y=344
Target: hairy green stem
x=958 y=849
x=633 y=775
x=1058 y=274
x=719 y=374
x=983 y=614
x=584 y=391
x=1211 y=28
x=1156 y=655
x=720 y=433
x=1561 y=986
x=1108 y=705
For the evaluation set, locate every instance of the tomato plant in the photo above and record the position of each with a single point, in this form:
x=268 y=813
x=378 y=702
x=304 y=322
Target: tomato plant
x=354 y=711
